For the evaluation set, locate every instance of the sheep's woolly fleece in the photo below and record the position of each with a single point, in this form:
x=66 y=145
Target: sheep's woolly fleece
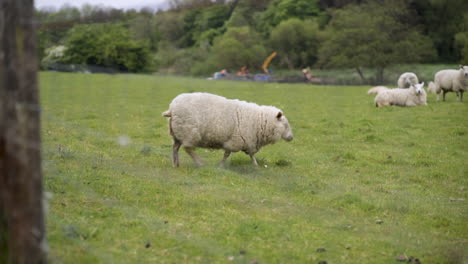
x=450 y=81
x=413 y=96
x=376 y=89
x=407 y=79
x=211 y=121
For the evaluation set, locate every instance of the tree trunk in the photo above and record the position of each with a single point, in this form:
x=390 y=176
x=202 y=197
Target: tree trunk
x=363 y=79
x=21 y=210
x=289 y=62
x=379 y=78
x=232 y=8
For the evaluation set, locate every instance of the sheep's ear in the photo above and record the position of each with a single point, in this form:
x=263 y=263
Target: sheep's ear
x=422 y=84
x=279 y=115
x=461 y=66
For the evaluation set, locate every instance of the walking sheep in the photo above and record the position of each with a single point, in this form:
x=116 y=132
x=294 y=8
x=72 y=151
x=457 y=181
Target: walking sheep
x=413 y=96
x=407 y=79
x=450 y=81
x=211 y=121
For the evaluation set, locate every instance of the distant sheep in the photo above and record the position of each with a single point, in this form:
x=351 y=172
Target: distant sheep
x=211 y=121
x=407 y=79
x=450 y=81
x=413 y=96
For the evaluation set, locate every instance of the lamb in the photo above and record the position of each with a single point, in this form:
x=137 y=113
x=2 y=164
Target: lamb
x=450 y=81
x=413 y=96
x=407 y=79
x=211 y=121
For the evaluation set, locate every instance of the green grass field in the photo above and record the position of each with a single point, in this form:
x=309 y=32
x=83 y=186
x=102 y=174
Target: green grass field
x=358 y=184
x=349 y=76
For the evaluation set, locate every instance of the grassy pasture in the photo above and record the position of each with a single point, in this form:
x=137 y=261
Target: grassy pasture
x=364 y=184
x=349 y=76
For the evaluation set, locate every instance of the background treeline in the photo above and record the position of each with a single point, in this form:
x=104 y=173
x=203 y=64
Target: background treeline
x=198 y=37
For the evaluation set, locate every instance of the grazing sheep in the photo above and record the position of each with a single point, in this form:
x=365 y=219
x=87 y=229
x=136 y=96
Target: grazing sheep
x=376 y=89
x=413 y=96
x=407 y=79
x=211 y=121
x=450 y=81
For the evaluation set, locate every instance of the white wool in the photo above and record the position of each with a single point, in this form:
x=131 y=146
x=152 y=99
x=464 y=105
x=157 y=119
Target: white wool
x=402 y=97
x=376 y=89
x=450 y=81
x=407 y=79
x=431 y=87
x=212 y=121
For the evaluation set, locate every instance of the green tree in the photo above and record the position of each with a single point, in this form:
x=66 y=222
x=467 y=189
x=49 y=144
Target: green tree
x=143 y=28
x=238 y=47
x=461 y=42
x=280 y=10
x=106 y=45
x=441 y=20
x=373 y=35
x=198 y=21
x=296 y=41
x=170 y=26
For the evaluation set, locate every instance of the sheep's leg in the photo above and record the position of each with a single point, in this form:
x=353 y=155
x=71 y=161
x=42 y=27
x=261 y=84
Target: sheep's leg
x=193 y=155
x=443 y=95
x=461 y=96
x=227 y=153
x=254 y=160
x=175 y=153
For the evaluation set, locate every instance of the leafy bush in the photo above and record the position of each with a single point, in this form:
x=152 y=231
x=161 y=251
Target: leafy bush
x=280 y=10
x=461 y=42
x=108 y=45
x=297 y=41
x=367 y=35
x=53 y=55
x=238 y=47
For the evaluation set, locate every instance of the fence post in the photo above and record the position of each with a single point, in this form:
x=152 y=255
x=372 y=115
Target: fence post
x=22 y=227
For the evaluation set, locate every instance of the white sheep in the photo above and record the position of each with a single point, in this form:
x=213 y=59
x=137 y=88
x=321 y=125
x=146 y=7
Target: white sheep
x=407 y=79
x=413 y=96
x=211 y=121
x=376 y=89
x=450 y=81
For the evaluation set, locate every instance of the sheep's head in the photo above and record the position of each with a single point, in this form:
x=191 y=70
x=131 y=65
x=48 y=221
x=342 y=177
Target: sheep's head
x=464 y=70
x=419 y=88
x=283 y=126
x=408 y=80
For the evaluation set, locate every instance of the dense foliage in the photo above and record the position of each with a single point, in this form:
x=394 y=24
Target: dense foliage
x=198 y=37
x=368 y=35
x=106 y=45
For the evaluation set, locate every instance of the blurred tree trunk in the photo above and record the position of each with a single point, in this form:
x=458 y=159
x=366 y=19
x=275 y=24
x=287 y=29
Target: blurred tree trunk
x=380 y=76
x=233 y=7
x=21 y=210
x=359 y=71
x=289 y=62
